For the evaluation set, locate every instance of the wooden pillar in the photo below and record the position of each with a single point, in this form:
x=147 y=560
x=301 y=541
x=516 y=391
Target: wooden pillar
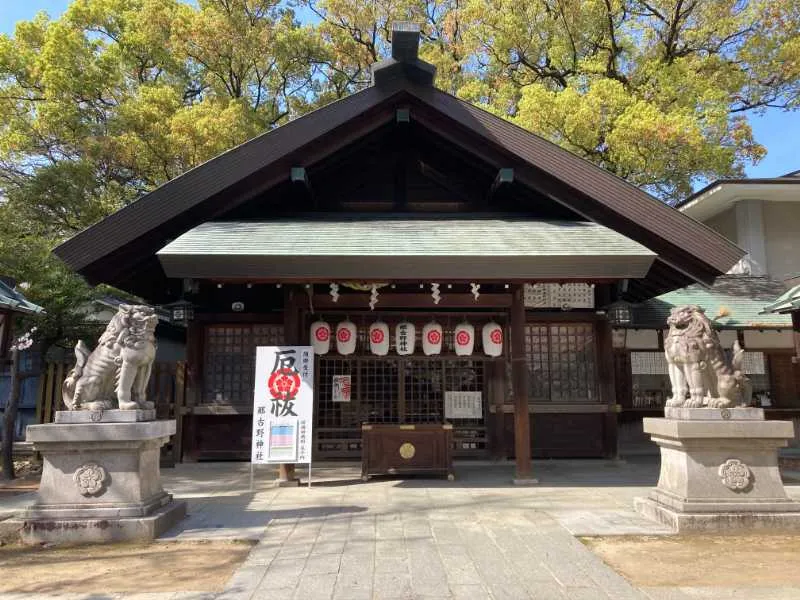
x=292 y=336
x=193 y=390
x=519 y=376
x=607 y=387
x=498 y=387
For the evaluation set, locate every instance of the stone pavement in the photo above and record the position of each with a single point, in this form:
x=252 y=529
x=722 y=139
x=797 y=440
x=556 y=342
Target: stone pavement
x=477 y=537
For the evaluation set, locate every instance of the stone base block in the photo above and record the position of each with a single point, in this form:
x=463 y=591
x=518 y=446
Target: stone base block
x=719 y=474
x=717 y=522
x=104 y=416
x=100 y=481
x=88 y=530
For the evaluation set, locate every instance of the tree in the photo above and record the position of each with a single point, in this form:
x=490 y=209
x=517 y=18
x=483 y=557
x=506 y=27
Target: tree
x=118 y=96
x=115 y=98
x=655 y=91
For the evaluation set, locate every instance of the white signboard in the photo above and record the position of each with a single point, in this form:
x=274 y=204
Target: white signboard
x=341 y=388
x=463 y=405
x=283 y=405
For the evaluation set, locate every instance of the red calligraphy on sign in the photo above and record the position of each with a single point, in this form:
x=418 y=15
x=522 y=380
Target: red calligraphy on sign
x=377 y=336
x=343 y=335
x=462 y=339
x=496 y=336
x=322 y=334
x=284 y=383
x=434 y=336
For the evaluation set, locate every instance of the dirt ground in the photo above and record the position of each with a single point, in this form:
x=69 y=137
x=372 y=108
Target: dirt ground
x=118 y=568
x=702 y=560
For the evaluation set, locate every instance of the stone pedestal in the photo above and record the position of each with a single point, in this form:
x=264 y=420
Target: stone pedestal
x=719 y=471
x=100 y=479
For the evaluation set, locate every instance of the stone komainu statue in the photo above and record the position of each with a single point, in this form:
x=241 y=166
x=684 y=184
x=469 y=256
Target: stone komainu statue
x=117 y=371
x=698 y=364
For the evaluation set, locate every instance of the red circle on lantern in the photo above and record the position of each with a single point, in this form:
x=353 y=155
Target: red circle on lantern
x=284 y=383
x=462 y=339
x=377 y=336
x=343 y=335
x=322 y=334
x=496 y=336
x=434 y=336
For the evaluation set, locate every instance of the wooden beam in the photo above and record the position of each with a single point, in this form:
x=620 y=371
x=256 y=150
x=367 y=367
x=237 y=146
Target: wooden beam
x=505 y=176
x=389 y=300
x=519 y=376
x=299 y=178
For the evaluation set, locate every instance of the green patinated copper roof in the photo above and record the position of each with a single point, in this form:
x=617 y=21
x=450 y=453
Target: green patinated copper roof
x=11 y=299
x=785 y=303
x=742 y=297
x=399 y=246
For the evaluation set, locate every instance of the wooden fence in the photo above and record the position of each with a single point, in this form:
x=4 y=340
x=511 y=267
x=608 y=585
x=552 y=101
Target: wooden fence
x=166 y=389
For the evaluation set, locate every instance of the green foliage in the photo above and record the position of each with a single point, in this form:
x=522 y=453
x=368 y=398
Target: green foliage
x=118 y=96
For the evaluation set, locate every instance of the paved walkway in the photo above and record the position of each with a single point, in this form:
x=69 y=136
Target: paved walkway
x=478 y=537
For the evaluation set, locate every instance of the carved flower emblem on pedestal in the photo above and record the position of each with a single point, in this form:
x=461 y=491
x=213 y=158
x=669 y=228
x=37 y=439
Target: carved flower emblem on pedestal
x=90 y=479
x=735 y=474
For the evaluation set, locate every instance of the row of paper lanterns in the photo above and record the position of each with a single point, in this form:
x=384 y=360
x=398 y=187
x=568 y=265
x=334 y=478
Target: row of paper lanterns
x=405 y=337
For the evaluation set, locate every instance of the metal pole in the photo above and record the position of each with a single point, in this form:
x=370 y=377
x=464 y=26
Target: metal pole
x=309 y=474
x=252 y=467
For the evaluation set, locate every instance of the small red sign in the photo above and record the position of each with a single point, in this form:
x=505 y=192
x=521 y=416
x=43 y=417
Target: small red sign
x=496 y=336
x=434 y=337
x=322 y=334
x=463 y=338
x=377 y=336
x=343 y=334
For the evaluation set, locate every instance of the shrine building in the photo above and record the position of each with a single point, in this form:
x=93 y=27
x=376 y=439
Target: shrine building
x=453 y=272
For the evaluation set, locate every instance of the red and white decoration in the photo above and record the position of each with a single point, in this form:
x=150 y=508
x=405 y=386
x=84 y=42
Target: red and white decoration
x=346 y=338
x=464 y=337
x=379 y=338
x=405 y=337
x=320 y=337
x=432 y=338
x=492 y=339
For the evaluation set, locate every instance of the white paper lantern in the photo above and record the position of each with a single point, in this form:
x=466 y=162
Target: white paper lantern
x=405 y=336
x=379 y=338
x=320 y=337
x=346 y=338
x=464 y=336
x=492 y=339
x=432 y=338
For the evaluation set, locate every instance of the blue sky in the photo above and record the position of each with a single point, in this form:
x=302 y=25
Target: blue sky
x=776 y=130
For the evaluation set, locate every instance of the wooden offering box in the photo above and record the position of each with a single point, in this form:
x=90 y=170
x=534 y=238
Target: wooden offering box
x=398 y=449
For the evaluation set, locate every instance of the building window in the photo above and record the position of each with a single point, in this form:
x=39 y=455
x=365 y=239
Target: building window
x=651 y=386
x=561 y=362
x=230 y=352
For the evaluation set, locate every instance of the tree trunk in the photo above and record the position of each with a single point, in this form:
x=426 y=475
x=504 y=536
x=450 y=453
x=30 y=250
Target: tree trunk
x=10 y=418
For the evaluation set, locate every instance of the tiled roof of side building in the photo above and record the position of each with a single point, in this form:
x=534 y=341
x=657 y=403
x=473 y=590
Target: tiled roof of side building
x=11 y=299
x=733 y=302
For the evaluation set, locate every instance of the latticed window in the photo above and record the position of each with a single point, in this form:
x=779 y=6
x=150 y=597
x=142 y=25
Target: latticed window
x=561 y=361
x=230 y=352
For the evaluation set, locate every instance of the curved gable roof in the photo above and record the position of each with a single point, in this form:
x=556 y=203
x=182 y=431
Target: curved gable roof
x=206 y=192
